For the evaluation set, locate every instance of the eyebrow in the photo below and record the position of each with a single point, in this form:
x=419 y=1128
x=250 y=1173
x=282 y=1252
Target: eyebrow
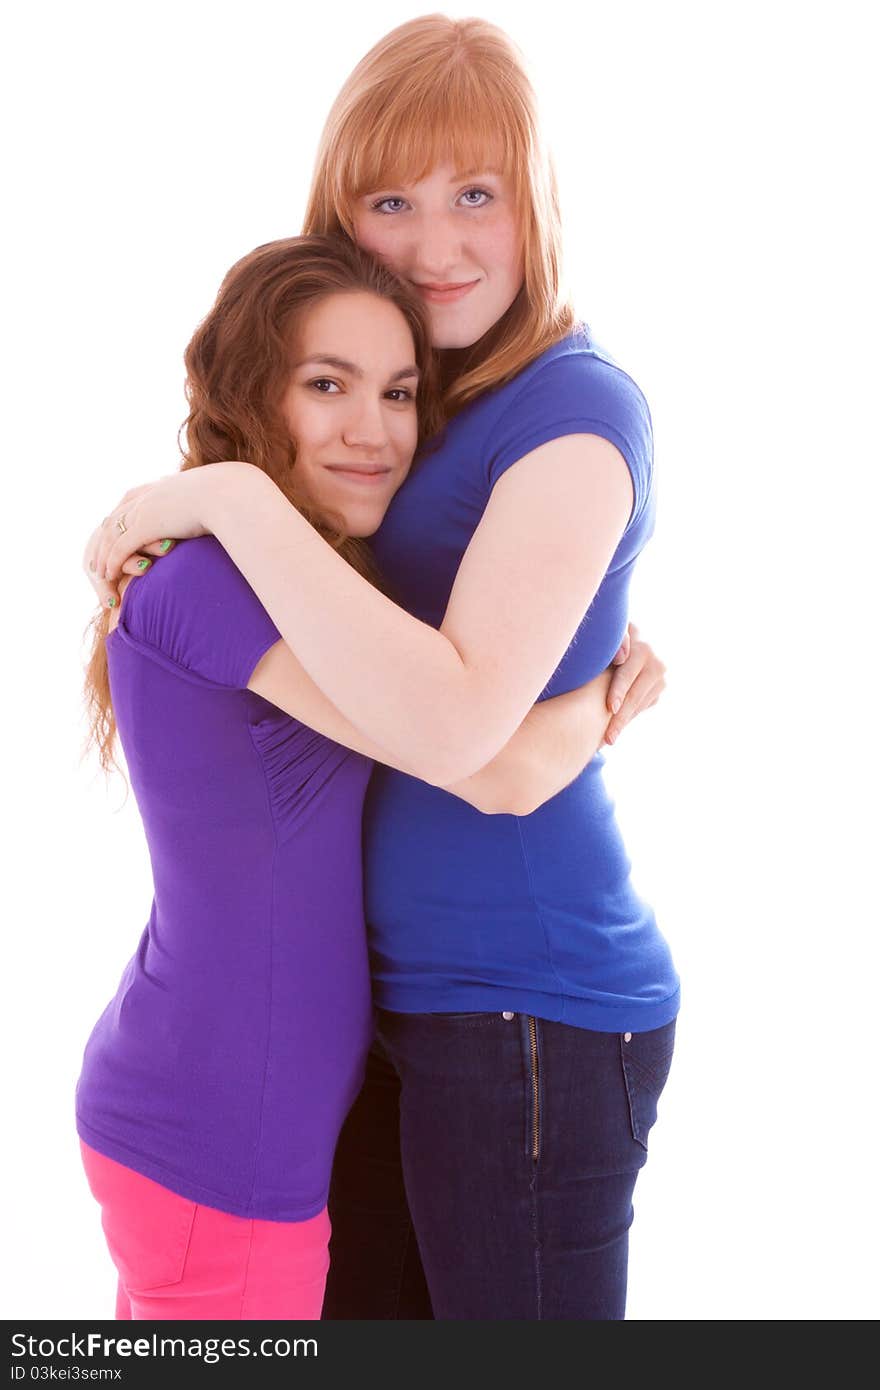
x=456 y=178
x=326 y=359
x=472 y=173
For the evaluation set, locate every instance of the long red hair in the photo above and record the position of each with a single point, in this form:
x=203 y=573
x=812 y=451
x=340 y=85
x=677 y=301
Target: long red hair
x=237 y=368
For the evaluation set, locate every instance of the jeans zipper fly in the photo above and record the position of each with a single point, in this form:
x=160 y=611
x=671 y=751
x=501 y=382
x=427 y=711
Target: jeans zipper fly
x=536 y=1114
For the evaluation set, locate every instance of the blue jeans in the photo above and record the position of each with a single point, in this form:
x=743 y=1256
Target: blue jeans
x=487 y=1168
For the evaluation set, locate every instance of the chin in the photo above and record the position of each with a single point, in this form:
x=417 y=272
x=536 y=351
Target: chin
x=451 y=332
x=361 y=527
x=448 y=336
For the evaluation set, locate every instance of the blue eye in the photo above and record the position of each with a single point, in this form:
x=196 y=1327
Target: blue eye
x=481 y=193
x=387 y=207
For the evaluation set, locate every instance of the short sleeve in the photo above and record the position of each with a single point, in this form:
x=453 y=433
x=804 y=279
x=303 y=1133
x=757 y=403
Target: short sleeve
x=195 y=610
x=577 y=393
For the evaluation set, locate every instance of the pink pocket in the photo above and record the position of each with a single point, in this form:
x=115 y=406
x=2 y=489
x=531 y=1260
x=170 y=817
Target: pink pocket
x=147 y=1227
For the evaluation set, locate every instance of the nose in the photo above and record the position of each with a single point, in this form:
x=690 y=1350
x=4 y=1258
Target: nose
x=437 y=249
x=364 y=425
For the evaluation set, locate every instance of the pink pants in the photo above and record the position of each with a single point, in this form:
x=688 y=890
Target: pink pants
x=179 y=1259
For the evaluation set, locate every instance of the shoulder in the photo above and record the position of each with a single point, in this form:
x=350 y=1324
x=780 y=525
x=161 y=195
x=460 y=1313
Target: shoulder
x=197 y=609
x=578 y=374
x=201 y=562
x=196 y=575
x=575 y=387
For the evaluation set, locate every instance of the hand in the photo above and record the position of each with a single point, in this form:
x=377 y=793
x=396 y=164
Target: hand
x=109 y=595
x=144 y=524
x=637 y=683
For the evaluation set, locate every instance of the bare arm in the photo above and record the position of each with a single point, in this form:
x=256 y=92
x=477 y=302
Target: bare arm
x=442 y=702
x=553 y=744
x=560 y=736
x=555 y=741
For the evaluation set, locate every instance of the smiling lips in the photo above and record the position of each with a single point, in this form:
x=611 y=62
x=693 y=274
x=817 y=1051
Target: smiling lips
x=367 y=474
x=445 y=294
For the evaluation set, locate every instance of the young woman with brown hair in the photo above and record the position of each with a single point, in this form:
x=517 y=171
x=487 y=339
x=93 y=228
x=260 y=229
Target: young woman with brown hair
x=215 y=1083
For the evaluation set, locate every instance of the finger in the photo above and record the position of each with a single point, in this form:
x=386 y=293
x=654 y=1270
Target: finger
x=102 y=538
x=118 y=534
x=644 y=698
x=127 y=545
x=624 y=676
x=639 y=692
x=108 y=594
x=102 y=547
x=157 y=547
x=121 y=550
x=122 y=540
x=104 y=591
x=622 y=653
x=123 y=547
x=137 y=564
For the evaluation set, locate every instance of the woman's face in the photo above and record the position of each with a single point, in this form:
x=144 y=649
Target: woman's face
x=350 y=407
x=455 y=237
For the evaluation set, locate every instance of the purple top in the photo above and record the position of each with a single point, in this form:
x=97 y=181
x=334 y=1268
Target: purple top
x=225 y=1064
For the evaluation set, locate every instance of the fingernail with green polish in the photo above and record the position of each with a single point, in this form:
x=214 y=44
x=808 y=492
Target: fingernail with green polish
x=144 y=564
x=112 y=602
x=165 y=545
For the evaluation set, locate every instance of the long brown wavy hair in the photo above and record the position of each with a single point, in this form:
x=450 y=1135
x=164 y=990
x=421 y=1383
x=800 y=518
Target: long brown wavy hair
x=237 y=368
x=434 y=91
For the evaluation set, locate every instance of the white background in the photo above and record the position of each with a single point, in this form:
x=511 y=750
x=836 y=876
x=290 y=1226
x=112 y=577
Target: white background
x=716 y=165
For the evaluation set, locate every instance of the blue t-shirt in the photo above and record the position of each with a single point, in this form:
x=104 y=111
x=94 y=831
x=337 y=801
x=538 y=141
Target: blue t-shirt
x=534 y=914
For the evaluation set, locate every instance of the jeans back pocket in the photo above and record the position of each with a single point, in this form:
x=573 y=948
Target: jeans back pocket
x=646 y=1059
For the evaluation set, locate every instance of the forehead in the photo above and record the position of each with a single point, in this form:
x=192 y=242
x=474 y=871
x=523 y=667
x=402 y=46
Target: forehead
x=343 y=322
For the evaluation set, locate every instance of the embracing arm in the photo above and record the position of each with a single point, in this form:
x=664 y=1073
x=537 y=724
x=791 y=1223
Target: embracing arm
x=443 y=702
x=553 y=744
x=560 y=736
